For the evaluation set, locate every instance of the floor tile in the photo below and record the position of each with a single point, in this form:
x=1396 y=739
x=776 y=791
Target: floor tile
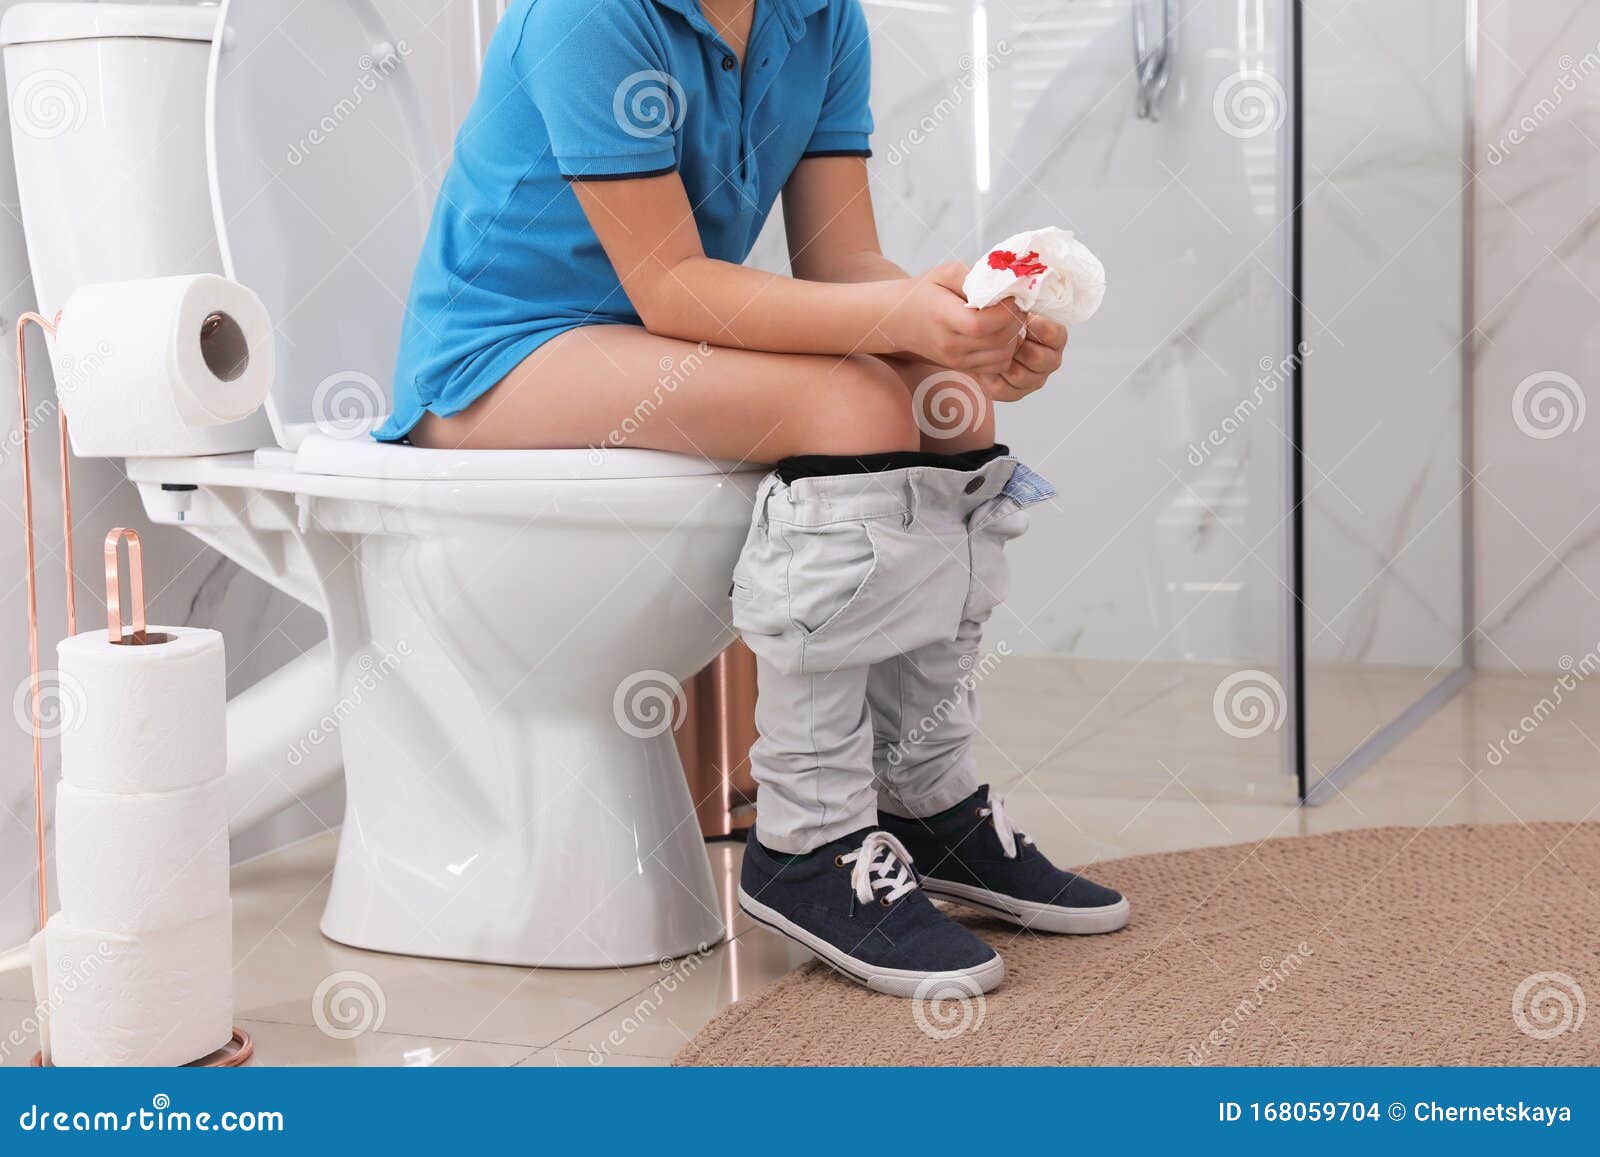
x=660 y=1019
x=1097 y=760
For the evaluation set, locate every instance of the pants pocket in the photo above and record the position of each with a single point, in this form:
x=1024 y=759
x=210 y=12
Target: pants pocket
x=910 y=596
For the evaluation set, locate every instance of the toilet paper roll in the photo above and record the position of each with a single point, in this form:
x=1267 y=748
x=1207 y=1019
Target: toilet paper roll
x=127 y=863
x=142 y=719
x=140 y=364
x=148 y=998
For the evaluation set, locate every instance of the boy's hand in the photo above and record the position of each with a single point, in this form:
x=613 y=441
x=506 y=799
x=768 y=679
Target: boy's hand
x=1036 y=358
x=930 y=320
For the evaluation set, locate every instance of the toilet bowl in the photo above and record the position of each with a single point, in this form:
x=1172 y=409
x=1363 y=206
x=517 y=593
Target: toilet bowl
x=507 y=630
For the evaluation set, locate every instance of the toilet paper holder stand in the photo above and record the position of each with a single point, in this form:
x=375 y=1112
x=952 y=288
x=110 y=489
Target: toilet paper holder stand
x=139 y=634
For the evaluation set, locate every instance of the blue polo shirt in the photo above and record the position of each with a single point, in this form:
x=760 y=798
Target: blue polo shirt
x=603 y=90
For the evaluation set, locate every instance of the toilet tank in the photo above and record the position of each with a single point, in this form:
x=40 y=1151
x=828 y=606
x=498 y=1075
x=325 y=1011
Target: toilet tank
x=108 y=128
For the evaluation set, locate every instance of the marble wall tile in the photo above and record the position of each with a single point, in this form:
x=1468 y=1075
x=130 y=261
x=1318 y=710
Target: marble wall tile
x=1537 y=344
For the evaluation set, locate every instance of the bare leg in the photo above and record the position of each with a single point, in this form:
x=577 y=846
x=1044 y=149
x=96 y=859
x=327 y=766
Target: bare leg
x=951 y=411
x=622 y=386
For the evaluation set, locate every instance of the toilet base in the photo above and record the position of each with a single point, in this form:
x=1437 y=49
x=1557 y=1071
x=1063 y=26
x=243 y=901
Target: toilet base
x=593 y=860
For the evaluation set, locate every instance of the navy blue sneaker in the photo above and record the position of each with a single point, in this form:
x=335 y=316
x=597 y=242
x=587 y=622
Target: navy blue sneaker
x=972 y=855
x=856 y=904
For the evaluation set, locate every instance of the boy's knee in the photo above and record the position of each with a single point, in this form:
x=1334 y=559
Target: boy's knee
x=862 y=407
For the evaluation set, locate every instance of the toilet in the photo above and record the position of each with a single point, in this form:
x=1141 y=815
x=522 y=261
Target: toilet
x=507 y=630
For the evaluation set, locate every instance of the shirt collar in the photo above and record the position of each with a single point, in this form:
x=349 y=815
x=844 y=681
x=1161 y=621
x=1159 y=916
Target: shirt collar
x=796 y=10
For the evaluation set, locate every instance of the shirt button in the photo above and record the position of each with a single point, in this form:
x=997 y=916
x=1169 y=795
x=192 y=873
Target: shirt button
x=975 y=485
x=729 y=63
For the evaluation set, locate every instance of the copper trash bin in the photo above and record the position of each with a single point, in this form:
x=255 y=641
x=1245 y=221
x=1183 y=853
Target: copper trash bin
x=714 y=739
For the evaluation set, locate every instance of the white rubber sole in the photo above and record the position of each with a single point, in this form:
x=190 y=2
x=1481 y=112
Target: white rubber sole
x=1031 y=915
x=984 y=977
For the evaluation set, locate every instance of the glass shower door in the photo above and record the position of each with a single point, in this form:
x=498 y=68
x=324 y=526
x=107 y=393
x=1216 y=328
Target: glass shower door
x=1385 y=500
x=1145 y=635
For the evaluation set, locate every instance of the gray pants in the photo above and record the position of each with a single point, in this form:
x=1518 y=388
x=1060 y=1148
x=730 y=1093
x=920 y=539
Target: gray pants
x=864 y=598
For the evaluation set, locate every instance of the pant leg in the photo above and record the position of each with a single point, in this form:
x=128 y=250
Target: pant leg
x=813 y=760
x=837 y=574
x=925 y=702
x=925 y=716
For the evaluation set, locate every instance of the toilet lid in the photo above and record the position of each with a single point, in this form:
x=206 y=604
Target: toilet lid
x=327 y=134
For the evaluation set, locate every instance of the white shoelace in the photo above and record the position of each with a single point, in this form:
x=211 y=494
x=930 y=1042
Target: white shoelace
x=881 y=864
x=1009 y=835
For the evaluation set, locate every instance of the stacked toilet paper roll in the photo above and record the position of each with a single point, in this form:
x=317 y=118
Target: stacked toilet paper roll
x=139 y=956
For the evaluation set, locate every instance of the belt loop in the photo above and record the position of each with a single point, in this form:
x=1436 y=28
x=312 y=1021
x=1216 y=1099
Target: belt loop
x=763 y=496
x=911 y=498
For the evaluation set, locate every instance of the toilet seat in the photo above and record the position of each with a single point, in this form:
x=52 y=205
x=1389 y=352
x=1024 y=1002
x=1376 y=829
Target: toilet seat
x=363 y=458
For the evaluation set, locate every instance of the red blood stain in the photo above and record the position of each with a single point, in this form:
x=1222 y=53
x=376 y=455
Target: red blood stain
x=1027 y=266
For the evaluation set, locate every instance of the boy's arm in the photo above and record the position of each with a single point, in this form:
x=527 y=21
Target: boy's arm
x=827 y=214
x=648 y=230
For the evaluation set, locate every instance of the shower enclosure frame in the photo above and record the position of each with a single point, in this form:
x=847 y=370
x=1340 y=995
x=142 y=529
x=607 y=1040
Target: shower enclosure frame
x=1376 y=745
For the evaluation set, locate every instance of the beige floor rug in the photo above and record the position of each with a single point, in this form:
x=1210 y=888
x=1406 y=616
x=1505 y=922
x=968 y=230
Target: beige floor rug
x=1468 y=945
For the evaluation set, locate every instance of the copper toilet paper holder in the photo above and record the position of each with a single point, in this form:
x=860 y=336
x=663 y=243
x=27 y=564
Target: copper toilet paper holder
x=242 y=1046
